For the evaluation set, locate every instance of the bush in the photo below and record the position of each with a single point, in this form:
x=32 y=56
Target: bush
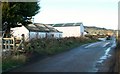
x=54 y=46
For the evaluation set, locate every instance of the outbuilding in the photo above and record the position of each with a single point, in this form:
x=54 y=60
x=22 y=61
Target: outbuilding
x=36 y=30
x=70 y=29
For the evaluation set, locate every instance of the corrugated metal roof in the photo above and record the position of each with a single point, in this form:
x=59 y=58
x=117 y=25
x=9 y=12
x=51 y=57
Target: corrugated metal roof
x=39 y=27
x=32 y=27
x=51 y=28
x=66 y=24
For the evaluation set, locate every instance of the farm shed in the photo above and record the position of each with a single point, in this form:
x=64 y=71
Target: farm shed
x=70 y=29
x=36 y=30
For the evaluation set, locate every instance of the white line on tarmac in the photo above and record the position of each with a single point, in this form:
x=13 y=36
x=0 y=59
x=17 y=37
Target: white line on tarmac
x=90 y=45
x=106 y=44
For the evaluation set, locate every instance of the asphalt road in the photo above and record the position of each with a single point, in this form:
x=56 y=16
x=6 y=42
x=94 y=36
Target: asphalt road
x=81 y=59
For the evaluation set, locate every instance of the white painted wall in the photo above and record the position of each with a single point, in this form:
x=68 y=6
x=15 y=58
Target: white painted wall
x=42 y=35
x=32 y=35
x=37 y=35
x=81 y=29
x=55 y=34
x=71 y=31
x=18 y=31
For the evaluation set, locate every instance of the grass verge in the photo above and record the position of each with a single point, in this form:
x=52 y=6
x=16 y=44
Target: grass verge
x=12 y=61
x=55 y=46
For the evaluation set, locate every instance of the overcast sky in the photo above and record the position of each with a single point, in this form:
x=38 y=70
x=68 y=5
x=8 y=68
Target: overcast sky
x=100 y=13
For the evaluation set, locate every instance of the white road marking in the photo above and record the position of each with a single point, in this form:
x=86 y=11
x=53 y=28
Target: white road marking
x=100 y=61
x=93 y=44
x=106 y=55
x=114 y=44
x=106 y=44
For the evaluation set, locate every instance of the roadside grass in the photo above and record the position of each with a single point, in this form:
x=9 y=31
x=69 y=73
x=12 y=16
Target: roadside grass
x=43 y=47
x=55 y=46
x=117 y=57
x=117 y=61
x=96 y=36
x=13 y=61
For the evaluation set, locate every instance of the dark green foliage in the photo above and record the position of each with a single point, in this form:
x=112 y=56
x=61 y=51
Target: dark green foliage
x=18 y=12
x=95 y=36
x=54 y=46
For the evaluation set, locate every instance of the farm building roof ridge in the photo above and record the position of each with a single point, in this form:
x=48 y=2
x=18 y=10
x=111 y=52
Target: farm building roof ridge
x=51 y=28
x=32 y=27
x=66 y=24
x=39 y=27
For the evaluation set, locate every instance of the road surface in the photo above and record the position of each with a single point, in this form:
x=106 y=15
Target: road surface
x=81 y=59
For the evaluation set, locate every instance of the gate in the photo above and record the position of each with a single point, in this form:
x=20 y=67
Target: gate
x=12 y=45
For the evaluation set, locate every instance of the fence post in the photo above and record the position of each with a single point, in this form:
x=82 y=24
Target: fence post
x=23 y=39
x=9 y=44
x=5 y=45
x=13 y=43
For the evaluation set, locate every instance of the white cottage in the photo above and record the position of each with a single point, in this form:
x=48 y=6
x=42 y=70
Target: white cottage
x=70 y=29
x=36 y=30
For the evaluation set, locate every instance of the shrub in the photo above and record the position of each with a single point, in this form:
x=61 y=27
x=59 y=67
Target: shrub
x=54 y=46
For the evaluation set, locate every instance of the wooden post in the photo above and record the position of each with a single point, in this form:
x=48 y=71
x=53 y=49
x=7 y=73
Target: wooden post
x=14 y=44
x=23 y=41
x=37 y=35
x=9 y=44
x=5 y=45
x=46 y=36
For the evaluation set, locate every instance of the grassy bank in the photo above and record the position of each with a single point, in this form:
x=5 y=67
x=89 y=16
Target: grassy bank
x=117 y=57
x=13 y=61
x=44 y=47
x=55 y=46
x=117 y=61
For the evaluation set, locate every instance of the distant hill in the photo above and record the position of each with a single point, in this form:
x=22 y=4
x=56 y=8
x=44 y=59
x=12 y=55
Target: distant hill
x=92 y=30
